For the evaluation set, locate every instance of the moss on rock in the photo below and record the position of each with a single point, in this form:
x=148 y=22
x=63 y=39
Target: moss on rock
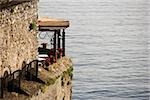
x=43 y=88
x=50 y=81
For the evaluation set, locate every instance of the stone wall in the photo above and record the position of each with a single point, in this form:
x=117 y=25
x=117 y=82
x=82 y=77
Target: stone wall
x=18 y=35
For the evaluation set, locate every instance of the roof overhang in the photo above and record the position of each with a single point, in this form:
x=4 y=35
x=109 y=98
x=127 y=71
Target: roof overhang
x=49 y=24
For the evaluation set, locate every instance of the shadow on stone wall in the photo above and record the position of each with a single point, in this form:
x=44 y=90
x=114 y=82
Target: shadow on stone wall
x=34 y=81
x=12 y=82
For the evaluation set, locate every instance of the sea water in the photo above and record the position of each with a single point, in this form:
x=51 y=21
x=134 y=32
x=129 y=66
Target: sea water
x=109 y=43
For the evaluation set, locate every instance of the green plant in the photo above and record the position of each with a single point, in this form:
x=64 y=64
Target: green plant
x=32 y=26
x=69 y=72
x=71 y=75
x=50 y=81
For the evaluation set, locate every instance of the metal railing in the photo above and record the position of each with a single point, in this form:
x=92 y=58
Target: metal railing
x=12 y=82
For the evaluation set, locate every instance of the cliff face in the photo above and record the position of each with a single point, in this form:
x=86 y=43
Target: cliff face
x=59 y=85
x=60 y=90
x=18 y=34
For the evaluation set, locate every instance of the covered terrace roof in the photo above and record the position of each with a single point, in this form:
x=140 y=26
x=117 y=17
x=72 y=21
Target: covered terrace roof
x=46 y=23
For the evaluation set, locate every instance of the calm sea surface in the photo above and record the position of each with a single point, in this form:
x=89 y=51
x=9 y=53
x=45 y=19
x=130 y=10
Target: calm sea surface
x=109 y=43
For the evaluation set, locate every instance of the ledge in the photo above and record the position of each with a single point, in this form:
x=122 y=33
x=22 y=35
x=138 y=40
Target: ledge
x=46 y=78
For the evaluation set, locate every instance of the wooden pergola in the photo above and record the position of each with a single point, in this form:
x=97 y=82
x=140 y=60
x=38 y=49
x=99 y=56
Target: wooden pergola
x=57 y=26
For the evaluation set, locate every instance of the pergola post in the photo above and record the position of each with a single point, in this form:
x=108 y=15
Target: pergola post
x=63 y=42
x=55 y=34
x=58 y=38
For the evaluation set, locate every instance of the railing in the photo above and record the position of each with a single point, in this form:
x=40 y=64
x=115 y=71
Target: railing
x=57 y=41
x=12 y=82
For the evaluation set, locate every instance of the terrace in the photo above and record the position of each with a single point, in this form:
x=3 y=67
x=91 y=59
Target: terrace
x=20 y=80
x=54 y=29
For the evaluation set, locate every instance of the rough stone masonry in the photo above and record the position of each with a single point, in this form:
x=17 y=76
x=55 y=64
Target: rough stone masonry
x=18 y=33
